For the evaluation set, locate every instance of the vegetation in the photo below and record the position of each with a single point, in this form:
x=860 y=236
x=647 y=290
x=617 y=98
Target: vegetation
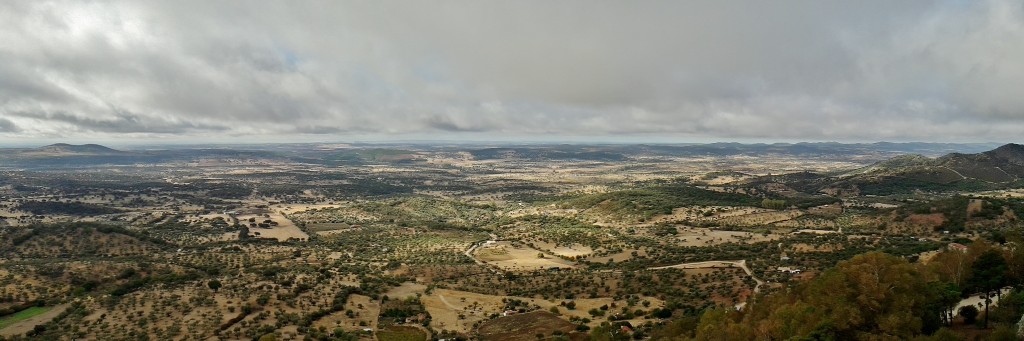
x=69 y=208
x=871 y=296
x=661 y=199
x=401 y=333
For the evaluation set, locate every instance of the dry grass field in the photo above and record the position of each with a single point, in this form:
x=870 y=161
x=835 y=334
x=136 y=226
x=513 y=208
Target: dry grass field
x=364 y=309
x=574 y=250
x=508 y=256
x=284 y=230
x=524 y=327
x=407 y=289
x=460 y=310
x=401 y=333
x=709 y=237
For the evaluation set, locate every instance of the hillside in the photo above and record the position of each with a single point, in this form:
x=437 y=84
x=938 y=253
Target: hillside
x=76 y=240
x=998 y=168
x=1003 y=164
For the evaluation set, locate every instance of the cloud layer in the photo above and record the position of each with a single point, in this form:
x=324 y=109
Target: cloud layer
x=818 y=70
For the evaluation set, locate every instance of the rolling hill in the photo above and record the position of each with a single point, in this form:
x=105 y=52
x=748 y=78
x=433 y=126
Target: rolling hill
x=83 y=149
x=998 y=168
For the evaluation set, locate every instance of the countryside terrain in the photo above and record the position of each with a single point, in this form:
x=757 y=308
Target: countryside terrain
x=725 y=241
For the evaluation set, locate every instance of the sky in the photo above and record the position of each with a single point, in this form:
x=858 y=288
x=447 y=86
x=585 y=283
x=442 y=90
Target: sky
x=668 y=71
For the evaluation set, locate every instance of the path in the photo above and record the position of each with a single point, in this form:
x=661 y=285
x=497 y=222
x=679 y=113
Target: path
x=1014 y=178
x=445 y=301
x=954 y=171
x=469 y=252
x=742 y=264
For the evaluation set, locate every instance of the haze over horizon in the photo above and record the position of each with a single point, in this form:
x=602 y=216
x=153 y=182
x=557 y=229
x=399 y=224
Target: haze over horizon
x=656 y=71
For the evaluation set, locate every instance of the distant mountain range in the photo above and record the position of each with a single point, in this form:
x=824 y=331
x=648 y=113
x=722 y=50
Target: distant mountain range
x=83 y=149
x=909 y=160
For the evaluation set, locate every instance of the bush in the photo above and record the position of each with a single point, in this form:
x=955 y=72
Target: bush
x=969 y=313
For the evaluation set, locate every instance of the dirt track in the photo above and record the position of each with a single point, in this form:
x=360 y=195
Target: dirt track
x=742 y=264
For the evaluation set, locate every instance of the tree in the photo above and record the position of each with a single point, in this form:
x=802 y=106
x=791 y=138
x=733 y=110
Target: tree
x=773 y=204
x=947 y=297
x=872 y=294
x=969 y=313
x=717 y=324
x=607 y=332
x=952 y=266
x=1015 y=256
x=214 y=285
x=988 y=276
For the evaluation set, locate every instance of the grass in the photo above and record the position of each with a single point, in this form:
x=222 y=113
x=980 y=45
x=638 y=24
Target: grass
x=320 y=227
x=401 y=333
x=524 y=327
x=22 y=315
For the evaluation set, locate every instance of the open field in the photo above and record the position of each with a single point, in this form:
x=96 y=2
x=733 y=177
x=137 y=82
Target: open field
x=460 y=310
x=364 y=315
x=281 y=229
x=507 y=255
x=571 y=251
x=401 y=333
x=706 y=237
x=524 y=327
x=23 y=321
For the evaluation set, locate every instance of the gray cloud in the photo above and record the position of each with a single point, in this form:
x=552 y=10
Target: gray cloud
x=859 y=70
x=7 y=126
x=119 y=122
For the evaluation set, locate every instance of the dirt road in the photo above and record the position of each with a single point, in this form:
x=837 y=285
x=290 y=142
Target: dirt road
x=742 y=264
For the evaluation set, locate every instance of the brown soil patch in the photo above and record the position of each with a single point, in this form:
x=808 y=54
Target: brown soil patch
x=929 y=220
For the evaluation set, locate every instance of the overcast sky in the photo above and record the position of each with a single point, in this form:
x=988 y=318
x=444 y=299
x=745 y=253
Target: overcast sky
x=546 y=70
